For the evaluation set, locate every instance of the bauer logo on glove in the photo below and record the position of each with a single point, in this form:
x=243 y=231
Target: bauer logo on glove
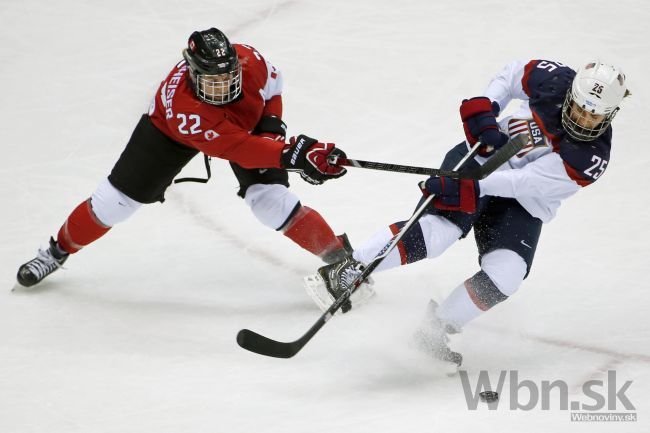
x=316 y=162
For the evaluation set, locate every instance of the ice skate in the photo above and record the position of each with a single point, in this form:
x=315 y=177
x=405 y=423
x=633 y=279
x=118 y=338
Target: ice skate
x=341 y=253
x=433 y=338
x=46 y=262
x=332 y=280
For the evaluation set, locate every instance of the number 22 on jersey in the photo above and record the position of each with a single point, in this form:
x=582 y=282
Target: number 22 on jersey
x=189 y=124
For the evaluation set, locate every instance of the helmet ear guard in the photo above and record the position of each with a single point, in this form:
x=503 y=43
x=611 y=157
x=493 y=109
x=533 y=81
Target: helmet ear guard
x=214 y=68
x=598 y=88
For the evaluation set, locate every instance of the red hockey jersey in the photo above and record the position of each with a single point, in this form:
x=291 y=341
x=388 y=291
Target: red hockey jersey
x=223 y=131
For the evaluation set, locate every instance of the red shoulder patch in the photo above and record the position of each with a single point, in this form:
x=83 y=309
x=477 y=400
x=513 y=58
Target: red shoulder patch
x=527 y=71
x=575 y=175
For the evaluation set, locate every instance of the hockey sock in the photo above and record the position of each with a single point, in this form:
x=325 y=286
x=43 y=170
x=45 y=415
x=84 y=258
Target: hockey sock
x=309 y=229
x=80 y=229
x=369 y=249
x=409 y=249
x=469 y=300
x=428 y=238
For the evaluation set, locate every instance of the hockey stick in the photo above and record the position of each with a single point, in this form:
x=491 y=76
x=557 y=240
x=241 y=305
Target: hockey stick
x=478 y=173
x=262 y=345
x=386 y=166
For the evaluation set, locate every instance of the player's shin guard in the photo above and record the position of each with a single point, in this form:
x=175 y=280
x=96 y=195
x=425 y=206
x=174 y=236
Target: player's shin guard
x=411 y=248
x=80 y=229
x=428 y=238
x=502 y=272
x=309 y=229
x=469 y=300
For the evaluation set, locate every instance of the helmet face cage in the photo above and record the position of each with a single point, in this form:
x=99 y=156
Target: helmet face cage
x=597 y=89
x=572 y=124
x=215 y=72
x=218 y=89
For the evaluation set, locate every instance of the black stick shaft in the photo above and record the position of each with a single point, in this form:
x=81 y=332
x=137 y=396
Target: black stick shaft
x=384 y=166
x=456 y=173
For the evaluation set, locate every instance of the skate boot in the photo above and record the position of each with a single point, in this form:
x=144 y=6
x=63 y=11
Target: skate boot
x=332 y=280
x=341 y=253
x=46 y=262
x=433 y=338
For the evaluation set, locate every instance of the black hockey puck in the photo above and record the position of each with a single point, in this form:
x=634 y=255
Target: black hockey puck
x=489 y=396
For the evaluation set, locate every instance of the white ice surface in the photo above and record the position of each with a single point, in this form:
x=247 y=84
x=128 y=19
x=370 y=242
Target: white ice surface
x=138 y=334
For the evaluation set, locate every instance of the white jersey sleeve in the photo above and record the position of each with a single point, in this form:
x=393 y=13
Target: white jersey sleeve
x=539 y=186
x=506 y=85
x=274 y=82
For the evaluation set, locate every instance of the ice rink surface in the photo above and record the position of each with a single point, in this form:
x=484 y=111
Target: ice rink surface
x=138 y=334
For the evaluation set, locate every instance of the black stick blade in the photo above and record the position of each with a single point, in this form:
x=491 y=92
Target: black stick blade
x=254 y=342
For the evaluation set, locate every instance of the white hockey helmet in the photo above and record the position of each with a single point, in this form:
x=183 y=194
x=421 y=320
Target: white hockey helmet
x=598 y=88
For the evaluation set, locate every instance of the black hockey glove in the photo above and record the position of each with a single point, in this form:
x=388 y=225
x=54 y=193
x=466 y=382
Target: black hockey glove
x=311 y=159
x=271 y=127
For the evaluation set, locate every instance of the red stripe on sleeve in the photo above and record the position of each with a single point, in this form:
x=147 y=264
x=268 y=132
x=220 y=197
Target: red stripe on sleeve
x=528 y=69
x=575 y=175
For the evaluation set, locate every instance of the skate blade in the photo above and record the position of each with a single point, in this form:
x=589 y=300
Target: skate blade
x=18 y=286
x=363 y=294
x=315 y=288
x=446 y=360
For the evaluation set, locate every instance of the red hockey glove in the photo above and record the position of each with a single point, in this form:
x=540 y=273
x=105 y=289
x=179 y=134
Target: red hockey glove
x=312 y=159
x=480 y=123
x=452 y=194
